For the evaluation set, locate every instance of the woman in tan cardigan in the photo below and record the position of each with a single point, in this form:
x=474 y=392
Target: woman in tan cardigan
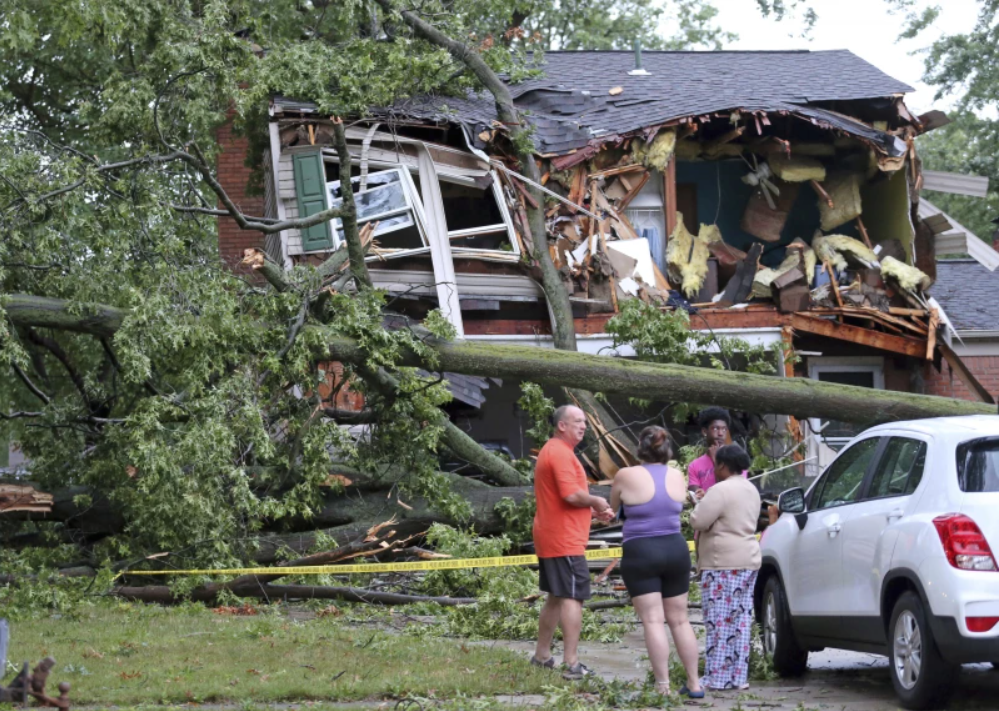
x=728 y=558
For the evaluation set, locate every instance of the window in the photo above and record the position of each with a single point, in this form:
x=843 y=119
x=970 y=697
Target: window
x=388 y=199
x=900 y=469
x=978 y=465
x=474 y=218
x=843 y=481
x=860 y=372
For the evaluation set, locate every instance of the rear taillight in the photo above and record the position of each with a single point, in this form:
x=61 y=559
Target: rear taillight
x=981 y=624
x=964 y=544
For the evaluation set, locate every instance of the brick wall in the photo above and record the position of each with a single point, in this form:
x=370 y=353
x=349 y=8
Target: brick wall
x=234 y=175
x=948 y=384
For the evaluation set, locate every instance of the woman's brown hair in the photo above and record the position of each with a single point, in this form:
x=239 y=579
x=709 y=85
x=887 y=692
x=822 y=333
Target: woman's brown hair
x=653 y=445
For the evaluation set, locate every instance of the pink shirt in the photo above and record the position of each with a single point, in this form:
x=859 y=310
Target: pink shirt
x=701 y=473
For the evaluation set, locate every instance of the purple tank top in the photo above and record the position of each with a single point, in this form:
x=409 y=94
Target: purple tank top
x=659 y=516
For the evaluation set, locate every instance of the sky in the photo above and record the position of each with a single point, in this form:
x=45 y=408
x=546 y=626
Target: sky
x=865 y=27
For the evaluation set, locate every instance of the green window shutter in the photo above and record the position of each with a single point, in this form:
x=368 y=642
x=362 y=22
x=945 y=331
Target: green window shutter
x=310 y=190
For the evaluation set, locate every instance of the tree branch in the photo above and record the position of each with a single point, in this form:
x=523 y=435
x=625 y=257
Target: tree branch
x=349 y=209
x=53 y=347
x=35 y=390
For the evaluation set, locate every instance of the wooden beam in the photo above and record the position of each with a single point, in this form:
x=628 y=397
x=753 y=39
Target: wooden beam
x=626 y=200
x=669 y=196
x=905 y=345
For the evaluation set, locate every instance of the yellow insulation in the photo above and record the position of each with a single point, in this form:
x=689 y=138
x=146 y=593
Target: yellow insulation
x=909 y=278
x=689 y=274
x=657 y=153
x=796 y=169
x=841 y=250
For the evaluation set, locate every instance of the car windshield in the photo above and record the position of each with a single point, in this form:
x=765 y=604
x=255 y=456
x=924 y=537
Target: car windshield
x=978 y=465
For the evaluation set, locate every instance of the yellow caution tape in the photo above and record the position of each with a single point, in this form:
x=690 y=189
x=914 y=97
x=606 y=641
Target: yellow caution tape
x=441 y=564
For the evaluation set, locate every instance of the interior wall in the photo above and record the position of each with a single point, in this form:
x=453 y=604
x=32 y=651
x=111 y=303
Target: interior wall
x=720 y=191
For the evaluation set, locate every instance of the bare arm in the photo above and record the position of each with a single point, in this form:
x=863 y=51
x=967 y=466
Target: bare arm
x=584 y=500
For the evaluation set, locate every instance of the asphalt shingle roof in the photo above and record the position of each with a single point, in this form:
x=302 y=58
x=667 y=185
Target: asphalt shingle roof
x=969 y=293
x=571 y=105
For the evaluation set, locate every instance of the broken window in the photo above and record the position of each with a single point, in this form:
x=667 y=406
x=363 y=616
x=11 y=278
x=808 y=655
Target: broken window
x=475 y=219
x=389 y=199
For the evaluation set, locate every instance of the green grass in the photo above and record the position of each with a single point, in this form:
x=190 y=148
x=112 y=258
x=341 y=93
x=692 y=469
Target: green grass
x=125 y=655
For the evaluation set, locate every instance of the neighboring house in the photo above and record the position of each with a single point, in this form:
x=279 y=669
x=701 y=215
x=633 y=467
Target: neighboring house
x=660 y=178
x=969 y=294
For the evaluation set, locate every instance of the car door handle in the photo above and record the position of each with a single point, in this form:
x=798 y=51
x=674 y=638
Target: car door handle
x=895 y=513
x=834 y=528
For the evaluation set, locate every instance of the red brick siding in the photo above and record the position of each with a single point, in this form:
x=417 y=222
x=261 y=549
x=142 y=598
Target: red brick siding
x=948 y=384
x=234 y=176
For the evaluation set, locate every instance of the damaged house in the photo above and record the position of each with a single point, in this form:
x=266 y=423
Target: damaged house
x=773 y=194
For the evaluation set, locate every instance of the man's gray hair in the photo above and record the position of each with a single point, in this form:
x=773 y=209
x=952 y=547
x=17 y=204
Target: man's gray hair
x=561 y=413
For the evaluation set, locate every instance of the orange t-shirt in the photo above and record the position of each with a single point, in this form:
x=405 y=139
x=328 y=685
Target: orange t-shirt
x=559 y=529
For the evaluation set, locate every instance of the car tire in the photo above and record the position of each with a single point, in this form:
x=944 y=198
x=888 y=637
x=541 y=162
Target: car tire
x=921 y=677
x=779 y=644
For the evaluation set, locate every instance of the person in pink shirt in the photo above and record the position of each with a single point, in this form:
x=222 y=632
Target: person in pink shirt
x=715 y=423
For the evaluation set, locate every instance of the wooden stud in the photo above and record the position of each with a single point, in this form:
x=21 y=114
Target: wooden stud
x=832 y=281
x=905 y=345
x=863 y=232
x=931 y=341
x=822 y=193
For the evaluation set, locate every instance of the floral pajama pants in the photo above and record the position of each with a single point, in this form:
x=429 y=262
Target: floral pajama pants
x=727 y=600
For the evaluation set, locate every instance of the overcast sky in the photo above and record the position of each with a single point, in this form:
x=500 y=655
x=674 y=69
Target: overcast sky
x=865 y=27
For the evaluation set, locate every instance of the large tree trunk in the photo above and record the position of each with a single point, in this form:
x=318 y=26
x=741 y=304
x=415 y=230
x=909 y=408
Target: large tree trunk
x=763 y=394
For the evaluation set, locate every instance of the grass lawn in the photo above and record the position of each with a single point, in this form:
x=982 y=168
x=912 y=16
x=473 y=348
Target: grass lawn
x=130 y=654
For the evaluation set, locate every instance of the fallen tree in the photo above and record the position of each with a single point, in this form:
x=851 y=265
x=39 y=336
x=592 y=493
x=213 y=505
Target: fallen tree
x=800 y=397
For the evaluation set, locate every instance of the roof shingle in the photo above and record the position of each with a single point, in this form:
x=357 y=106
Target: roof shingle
x=969 y=293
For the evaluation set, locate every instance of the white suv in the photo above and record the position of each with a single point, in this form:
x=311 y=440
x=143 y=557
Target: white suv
x=889 y=552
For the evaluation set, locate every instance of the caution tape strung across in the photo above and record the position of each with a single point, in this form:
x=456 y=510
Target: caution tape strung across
x=441 y=564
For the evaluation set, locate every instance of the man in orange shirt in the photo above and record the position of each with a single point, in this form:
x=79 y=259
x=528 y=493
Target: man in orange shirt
x=561 y=530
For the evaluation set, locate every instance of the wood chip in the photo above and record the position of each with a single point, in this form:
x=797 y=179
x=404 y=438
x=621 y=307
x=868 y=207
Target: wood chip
x=616 y=90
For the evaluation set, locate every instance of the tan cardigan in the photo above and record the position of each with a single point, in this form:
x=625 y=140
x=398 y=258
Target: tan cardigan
x=726 y=518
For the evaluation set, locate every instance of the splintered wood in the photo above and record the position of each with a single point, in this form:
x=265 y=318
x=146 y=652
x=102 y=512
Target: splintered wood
x=17 y=497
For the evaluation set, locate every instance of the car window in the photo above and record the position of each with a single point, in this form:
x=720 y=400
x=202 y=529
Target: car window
x=900 y=469
x=978 y=465
x=844 y=479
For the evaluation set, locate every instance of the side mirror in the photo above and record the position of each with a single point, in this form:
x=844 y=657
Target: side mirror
x=792 y=501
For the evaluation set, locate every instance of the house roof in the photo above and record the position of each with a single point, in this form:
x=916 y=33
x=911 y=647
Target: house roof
x=968 y=293
x=570 y=105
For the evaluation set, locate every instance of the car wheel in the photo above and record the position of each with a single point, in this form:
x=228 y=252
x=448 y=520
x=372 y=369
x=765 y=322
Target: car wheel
x=921 y=677
x=778 y=640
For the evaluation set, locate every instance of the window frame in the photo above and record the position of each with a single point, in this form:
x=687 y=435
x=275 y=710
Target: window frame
x=869 y=483
x=817 y=489
x=414 y=207
x=448 y=174
x=819 y=365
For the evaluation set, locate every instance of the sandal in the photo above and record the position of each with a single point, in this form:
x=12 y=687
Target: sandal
x=663 y=687
x=684 y=691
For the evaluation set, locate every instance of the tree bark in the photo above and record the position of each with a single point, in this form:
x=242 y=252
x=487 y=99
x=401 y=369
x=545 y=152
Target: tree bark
x=43 y=312
x=349 y=220
x=747 y=392
x=762 y=394
x=163 y=595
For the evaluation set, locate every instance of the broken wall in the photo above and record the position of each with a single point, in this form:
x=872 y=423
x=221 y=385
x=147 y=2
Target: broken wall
x=718 y=189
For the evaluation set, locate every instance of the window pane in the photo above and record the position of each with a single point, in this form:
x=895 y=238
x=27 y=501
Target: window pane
x=900 y=468
x=842 y=481
x=978 y=465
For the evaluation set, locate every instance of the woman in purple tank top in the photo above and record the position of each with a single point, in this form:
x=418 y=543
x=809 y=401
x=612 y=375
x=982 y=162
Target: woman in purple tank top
x=656 y=562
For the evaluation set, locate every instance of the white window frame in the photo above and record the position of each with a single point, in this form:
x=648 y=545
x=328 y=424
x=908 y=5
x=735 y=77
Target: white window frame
x=817 y=366
x=413 y=206
x=505 y=227
x=406 y=167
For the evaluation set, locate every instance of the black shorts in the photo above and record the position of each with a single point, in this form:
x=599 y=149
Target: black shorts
x=659 y=564
x=568 y=576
